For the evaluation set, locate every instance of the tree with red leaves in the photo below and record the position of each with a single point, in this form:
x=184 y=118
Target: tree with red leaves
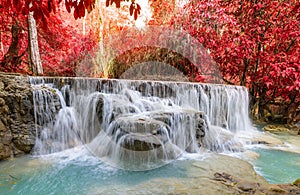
x=62 y=47
x=43 y=8
x=14 y=32
x=255 y=43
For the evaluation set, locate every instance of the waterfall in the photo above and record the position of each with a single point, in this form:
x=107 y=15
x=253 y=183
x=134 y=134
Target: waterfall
x=144 y=122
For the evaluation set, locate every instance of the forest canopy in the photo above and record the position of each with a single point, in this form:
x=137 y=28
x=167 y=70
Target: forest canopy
x=254 y=43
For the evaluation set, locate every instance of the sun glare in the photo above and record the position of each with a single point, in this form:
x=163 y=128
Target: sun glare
x=145 y=15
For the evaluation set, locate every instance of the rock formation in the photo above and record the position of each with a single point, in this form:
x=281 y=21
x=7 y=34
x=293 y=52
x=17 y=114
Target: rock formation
x=17 y=128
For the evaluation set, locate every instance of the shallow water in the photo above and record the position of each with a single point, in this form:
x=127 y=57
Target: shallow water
x=77 y=173
x=278 y=166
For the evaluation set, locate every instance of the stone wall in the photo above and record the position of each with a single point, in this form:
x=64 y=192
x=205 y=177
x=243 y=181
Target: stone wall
x=17 y=129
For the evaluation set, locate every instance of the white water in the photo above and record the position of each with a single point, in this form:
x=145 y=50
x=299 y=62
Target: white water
x=138 y=124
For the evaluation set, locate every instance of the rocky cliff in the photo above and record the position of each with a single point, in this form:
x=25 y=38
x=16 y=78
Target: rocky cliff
x=17 y=129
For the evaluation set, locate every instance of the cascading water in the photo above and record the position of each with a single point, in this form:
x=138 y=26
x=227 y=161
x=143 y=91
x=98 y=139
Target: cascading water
x=137 y=124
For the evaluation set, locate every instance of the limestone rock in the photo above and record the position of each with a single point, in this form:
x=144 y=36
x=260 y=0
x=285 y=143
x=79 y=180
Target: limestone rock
x=274 y=128
x=16 y=113
x=2 y=126
x=1 y=85
x=276 y=189
x=224 y=141
x=140 y=134
x=247 y=185
x=5 y=151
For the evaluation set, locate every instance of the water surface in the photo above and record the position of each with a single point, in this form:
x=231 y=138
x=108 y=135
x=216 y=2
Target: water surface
x=79 y=173
x=278 y=166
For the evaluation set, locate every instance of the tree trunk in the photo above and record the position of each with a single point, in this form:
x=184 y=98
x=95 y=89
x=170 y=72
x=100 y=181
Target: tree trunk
x=34 y=55
x=11 y=58
x=1 y=45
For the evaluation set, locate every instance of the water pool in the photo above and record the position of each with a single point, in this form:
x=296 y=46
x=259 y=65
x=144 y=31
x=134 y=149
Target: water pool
x=74 y=174
x=278 y=166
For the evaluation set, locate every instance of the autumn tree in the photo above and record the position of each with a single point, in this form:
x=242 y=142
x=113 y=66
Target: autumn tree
x=16 y=14
x=62 y=47
x=255 y=44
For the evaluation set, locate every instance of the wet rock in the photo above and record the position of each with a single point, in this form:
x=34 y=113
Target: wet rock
x=139 y=134
x=24 y=143
x=274 y=128
x=155 y=129
x=263 y=138
x=224 y=141
x=5 y=151
x=156 y=89
x=276 y=189
x=297 y=182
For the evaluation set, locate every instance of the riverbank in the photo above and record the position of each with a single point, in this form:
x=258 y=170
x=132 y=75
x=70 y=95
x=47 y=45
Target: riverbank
x=289 y=134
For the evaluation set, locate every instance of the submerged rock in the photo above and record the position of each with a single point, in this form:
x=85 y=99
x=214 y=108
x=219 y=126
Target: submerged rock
x=202 y=177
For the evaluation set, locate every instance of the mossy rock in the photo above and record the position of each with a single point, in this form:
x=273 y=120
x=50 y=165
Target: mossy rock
x=297 y=182
x=275 y=128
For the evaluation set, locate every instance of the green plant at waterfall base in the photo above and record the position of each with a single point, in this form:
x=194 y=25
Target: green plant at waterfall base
x=255 y=44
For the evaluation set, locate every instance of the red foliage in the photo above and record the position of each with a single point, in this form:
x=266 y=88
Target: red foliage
x=43 y=8
x=254 y=44
x=62 y=47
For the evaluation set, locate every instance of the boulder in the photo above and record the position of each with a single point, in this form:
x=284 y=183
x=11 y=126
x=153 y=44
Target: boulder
x=139 y=134
x=17 y=130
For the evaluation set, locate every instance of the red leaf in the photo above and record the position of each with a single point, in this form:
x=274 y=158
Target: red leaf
x=295 y=9
x=49 y=5
x=131 y=8
x=118 y=4
x=75 y=13
x=135 y=14
x=67 y=4
x=15 y=3
x=45 y=11
x=81 y=10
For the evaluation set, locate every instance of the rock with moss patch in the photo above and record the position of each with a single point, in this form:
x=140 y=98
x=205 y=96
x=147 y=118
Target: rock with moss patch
x=297 y=182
